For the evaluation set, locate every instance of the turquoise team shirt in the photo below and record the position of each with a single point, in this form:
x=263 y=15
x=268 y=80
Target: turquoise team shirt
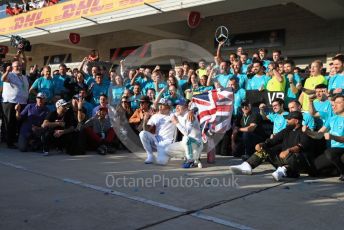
x=59 y=84
x=115 y=92
x=135 y=101
x=279 y=121
x=222 y=79
x=290 y=96
x=98 y=90
x=257 y=81
x=336 y=127
x=336 y=82
x=143 y=82
x=324 y=108
x=308 y=120
x=46 y=86
x=239 y=97
x=241 y=79
x=161 y=85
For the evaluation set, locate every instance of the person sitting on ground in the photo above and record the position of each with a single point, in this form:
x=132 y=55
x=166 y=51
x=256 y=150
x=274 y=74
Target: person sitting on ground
x=103 y=103
x=287 y=151
x=247 y=133
x=165 y=131
x=99 y=132
x=191 y=145
x=136 y=120
x=333 y=131
x=59 y=128
x=32 y=118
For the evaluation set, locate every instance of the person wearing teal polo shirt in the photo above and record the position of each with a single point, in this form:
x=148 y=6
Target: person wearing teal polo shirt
x=135 y=99
x=239 y=96
x=158 y=83
x=333 y=131
x=59 y=80
x=308 y=120
x=336 y=83
x=97 y=88
x=241 y=78
x=278 y=115
x=293 y=81
x=222 y=77
x=319 y=106
x=259 y=80
x=116 y=90
x=44 y=84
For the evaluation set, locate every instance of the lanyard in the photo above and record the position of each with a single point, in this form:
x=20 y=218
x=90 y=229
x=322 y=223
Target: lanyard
x=246 y=120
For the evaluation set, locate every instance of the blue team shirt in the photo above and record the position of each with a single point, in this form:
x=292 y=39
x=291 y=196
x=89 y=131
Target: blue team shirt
x=135 y=101
x=308 y=120
x=336 y=127
x=222 y=79
x=257 y=81
x=46 y=86
x=279 y=121
x=98 y=90
x=59 y=84
x=239 y=97
x=241 y=79
x=324 y=108
x=115 y=92
x=290 y=96
x=336 y=82
x=161 y=85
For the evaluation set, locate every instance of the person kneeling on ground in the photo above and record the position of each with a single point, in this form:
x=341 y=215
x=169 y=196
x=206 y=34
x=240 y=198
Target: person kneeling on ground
x=165 y=131
x=59 y=128
x=191 y=145
x=99 y=132
x=287 y=151
x=32 y=118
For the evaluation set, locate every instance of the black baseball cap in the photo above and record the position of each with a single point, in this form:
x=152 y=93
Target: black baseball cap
x=295 y=114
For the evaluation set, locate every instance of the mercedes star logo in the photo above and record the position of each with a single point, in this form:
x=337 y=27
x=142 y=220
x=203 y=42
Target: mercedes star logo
x=221 y=34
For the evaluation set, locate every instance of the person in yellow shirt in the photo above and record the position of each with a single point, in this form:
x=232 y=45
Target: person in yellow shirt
x=313 y=80
x=277 y=81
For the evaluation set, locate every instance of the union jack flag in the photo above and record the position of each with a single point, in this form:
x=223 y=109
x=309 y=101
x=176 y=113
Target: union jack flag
x=215 y=109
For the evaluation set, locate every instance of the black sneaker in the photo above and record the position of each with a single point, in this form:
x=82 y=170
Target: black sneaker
x=101 y=150
x=341 y=178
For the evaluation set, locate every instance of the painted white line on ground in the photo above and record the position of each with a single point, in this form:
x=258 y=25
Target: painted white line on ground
x=134 y=198
x=220 y=221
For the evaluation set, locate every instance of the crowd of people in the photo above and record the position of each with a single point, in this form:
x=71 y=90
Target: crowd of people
x=16 y=8
x=70 y=110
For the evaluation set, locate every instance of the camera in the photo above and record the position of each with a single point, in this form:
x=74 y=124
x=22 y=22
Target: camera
x=20 y=43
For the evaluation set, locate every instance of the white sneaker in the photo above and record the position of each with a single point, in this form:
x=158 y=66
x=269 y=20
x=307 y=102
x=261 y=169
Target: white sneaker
x=279 y=173
x=244 y=168
x=150 y=159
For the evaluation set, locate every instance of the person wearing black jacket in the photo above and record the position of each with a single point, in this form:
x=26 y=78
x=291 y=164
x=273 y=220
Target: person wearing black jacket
x=288 y=151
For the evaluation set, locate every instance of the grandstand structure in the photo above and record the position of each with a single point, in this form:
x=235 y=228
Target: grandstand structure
x=302 y=29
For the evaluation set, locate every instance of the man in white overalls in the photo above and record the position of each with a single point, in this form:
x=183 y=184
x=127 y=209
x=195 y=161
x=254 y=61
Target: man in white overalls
x=191 y=145
x=165 y=131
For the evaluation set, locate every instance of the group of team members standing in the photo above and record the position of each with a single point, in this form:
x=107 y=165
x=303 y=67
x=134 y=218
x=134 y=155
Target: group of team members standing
x=67 y=107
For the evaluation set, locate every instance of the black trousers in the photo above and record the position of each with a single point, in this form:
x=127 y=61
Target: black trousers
x=71 y=142
x=294 y=162
x=336 y=156
x=10 y=122
x=243 y=143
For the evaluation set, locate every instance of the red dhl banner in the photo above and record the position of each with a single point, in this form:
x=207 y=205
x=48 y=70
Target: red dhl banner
x=63 y=12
